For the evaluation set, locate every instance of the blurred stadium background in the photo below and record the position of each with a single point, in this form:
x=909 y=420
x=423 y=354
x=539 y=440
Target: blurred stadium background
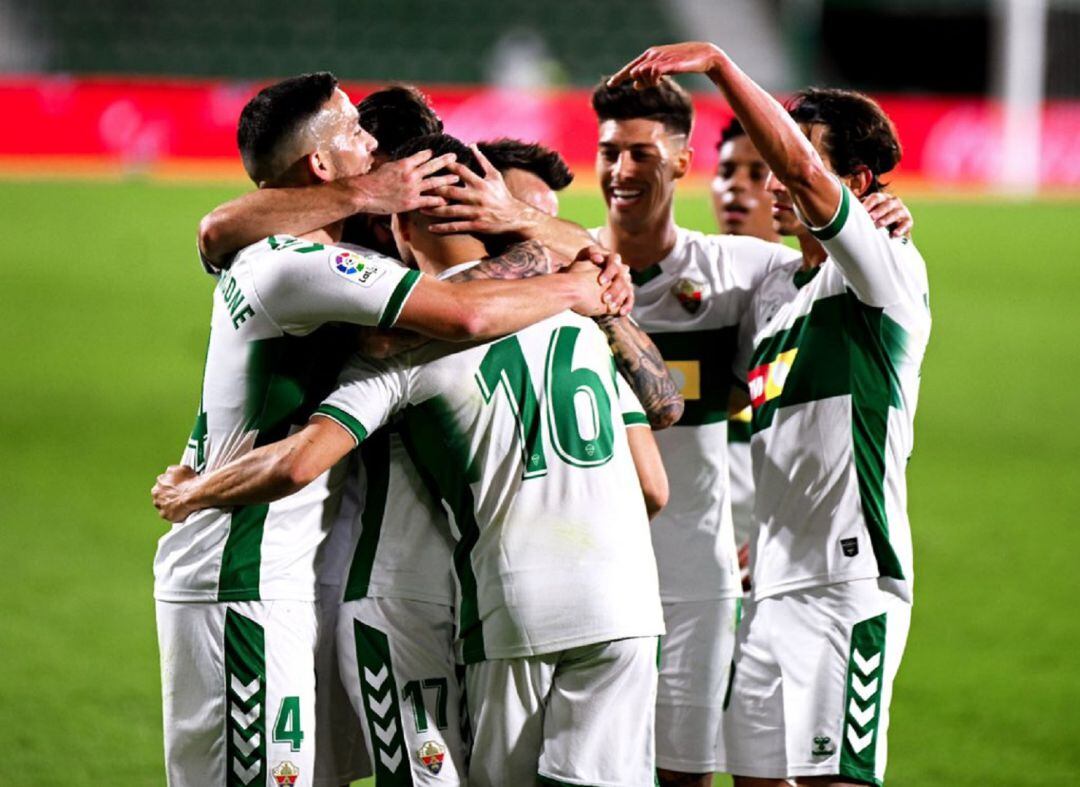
x=118 y=134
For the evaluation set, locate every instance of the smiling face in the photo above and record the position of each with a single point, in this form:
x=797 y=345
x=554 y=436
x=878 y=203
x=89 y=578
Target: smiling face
x=742 y=204
x=637 y=163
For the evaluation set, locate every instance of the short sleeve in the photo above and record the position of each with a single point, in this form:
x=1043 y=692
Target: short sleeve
x=310 y=284
x=633 y=414
x=368 y=394
x=749 y=260
x=882 y=271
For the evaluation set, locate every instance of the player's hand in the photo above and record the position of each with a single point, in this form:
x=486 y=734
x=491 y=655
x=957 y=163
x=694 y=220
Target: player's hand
x=887 y=210
x=614 y=275
x=690 y=57
x=478 y=204
x=404 y=185
x=169 y=493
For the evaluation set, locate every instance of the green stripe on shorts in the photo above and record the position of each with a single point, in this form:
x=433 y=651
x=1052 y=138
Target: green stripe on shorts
x=245 y=690
x=393 y=767
x=862 y=702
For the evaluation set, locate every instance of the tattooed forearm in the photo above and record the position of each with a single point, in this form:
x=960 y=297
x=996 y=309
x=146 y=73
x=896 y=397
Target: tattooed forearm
x=520 y=261
x=640 y=362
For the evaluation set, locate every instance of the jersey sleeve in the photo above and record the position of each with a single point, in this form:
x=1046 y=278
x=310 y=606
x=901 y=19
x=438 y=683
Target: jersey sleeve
x=310 y=284
x=633 y=414
x=878 y=268
x=749 y=260
x=369 y=393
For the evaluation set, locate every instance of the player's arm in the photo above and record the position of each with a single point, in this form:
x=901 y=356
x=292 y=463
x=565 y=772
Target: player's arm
x=484 y=309
x=650 y=468
x=260 y=476
x=394 y=187
x=485 y=205
x=639 y=362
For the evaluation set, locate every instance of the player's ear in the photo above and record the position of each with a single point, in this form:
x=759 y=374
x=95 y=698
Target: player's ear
x=319 y=165
x=683 y=160
x=859 y=181
x=399 y=225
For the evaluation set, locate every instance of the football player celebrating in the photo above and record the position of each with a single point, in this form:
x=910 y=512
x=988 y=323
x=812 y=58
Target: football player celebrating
x=835 y=345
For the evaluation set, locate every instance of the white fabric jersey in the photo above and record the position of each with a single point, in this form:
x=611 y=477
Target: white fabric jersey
x=834 y=379
x=525 y=439
x=272 y=357
x=690 y=304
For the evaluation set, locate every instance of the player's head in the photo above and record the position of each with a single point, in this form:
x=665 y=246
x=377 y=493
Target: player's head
x=742 y=204
x=532 y=172
x=852 y=134
x=644 y=148
x=302 y=130
x=396 y=114
x=411 y=229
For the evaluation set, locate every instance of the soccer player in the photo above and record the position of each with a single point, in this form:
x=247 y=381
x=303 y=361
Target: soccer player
x=692 y=291
x=525 y=441
x=835 y=346
x=533 y=173
x=235 y=589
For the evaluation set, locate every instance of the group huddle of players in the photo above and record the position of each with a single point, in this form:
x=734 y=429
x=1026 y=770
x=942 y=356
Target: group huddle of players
x=457 y=507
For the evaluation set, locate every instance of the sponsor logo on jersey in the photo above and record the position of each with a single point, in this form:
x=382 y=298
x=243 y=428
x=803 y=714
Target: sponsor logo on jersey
x=767 y=381
x=355 y=268
x=689 y=293
x=431 y=755
x=822 y=746
x=687 y=376
x=285 y=773
x=849 y=546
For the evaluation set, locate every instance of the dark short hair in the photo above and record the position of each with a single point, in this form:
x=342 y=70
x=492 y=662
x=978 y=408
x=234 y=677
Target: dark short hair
x=396 y=114
x=665 y=102
x=733 y=130
x=439 y=144
x=270 y=119
x=858 y=132
x=545 y=163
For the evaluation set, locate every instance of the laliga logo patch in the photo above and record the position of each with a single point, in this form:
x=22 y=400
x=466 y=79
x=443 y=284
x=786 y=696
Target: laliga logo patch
x=285 y=773
x=431 y=755
x=355 y=268
x=689 y=293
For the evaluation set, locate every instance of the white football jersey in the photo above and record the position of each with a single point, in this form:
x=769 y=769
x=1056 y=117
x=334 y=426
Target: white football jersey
x=276 y=345
x=525 y=440
x=690 y=304
x=834 y=380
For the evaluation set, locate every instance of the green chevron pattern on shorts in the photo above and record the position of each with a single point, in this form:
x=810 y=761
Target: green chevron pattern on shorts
x=862 y=703
x=245 y=690
x=381 y=707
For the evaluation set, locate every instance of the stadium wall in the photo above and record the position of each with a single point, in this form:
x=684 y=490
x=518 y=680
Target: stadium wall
x=186 y=128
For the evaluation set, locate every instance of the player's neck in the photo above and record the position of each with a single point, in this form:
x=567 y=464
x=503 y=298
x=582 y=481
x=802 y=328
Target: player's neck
x=644 y=246
x=331 y=233
x=813 y=253
x=437 y=254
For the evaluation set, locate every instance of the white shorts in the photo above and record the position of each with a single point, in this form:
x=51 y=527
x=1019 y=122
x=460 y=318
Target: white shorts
x=580 y=716
x=341 y=756
x=238 y=692
x=397 y=663
x=695 y=663
x=813 y=679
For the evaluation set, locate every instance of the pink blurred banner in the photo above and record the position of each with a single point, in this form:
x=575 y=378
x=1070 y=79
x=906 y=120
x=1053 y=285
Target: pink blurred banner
x=130 y=122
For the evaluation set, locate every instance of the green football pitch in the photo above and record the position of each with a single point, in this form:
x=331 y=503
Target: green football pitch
x=106 y=315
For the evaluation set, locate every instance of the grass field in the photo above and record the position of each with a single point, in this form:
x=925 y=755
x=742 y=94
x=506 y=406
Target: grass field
x=107 y=314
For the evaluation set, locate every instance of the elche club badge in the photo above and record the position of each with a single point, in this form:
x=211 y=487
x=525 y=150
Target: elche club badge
x=286 y=774
x=689 y=293
x=431 y=755
x=355 y=268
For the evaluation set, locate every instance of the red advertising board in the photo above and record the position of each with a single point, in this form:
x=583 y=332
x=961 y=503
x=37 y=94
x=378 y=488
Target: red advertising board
x=140 y=123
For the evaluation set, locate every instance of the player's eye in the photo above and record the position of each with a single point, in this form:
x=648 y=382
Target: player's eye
x=726 y=171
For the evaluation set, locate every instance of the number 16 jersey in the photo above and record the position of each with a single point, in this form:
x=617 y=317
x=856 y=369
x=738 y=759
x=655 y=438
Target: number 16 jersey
x=524 y=439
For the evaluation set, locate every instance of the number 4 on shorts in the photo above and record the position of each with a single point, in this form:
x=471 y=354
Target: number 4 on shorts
x=287 y=728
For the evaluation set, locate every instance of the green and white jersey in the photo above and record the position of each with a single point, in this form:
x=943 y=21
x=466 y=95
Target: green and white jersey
x=401 y=545
x=525 y=440
x=691 y=304
x=276 y=346
x=741 y=475
x=834 y=380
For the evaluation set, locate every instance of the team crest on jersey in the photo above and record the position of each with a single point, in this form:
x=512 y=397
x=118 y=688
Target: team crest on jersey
x=431 y=755
x=286 y=774
x=355 y=268
x=689 y=293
